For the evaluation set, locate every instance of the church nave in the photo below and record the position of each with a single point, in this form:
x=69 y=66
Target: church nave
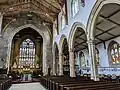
x=27 y=86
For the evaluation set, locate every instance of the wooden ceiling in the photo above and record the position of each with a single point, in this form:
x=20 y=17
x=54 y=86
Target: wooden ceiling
x=45 y=10
x=107 y=28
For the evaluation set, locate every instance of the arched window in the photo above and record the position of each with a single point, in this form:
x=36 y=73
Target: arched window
x=97 y=57
x=82 y=60
x=115 y=53
x=74 y=7
x=27 y=54
x=62 y=21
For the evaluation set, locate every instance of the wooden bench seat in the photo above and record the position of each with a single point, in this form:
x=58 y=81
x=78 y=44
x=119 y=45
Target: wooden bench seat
x=5 y=84
x=90 y=86
x=116 y=87
x=78 y=83
x=53 y=82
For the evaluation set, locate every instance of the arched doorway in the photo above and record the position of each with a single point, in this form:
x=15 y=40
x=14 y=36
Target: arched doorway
x=102 y=27
x=26 y=55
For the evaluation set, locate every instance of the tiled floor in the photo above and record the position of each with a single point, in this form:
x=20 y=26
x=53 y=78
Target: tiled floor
x=27 y=86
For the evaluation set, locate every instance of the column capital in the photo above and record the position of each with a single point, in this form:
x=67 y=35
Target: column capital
x=91 y=41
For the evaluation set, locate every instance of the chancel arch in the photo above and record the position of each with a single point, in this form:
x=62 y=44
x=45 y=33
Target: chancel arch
x=46 y=43
x=26 y=56
x=101 y=27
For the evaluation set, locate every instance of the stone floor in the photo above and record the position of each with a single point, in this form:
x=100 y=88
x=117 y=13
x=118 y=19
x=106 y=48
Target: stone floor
x=27 y=86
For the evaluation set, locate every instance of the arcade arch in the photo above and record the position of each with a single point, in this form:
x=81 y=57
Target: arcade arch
x=103 y=25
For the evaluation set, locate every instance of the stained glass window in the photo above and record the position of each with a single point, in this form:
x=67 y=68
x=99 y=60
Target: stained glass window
x=27 y=54
x=82 y=60
x=97 y=57
x=115 y=53
x=74 y=7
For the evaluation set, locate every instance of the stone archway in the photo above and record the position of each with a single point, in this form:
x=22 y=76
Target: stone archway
x=94 y=14
x=73 y=31
x=26 y=54
x=63 y=40
x=43 y=31
x=77 y=42
x=101 y=27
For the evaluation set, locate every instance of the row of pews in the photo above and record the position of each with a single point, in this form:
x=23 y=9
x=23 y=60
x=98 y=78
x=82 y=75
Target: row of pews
x=5 y=82
x=77 y=83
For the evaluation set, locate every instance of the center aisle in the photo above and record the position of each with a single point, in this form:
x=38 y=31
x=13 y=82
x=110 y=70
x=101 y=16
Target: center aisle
x=27 y=86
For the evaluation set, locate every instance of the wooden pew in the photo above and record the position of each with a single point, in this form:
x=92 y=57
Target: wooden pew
x=5 y=84
x=78 y=83
x=53 y=82
x=94 y=86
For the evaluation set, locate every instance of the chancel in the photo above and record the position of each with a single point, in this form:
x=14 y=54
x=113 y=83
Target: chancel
x=59 y=45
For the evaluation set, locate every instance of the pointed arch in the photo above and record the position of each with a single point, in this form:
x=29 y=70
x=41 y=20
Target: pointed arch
x=63 y=37
x=73 y=31
x=64 y=53
x=43 y=31
x=94 y=14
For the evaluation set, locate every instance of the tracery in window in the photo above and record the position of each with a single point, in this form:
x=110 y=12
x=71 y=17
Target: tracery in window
x=74 y=7
x=97 y=57
x=82 y=60
x=115 y=53
x=27 y=54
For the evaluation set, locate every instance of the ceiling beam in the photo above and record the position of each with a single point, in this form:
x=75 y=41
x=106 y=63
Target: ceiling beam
x=81 y=43
x=110 y=20
x=40 y=4
x=106 y=31
x=51 y=5
x=80 y=35
x=107 y=16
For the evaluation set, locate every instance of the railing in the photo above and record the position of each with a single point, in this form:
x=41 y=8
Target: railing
x=102 y=70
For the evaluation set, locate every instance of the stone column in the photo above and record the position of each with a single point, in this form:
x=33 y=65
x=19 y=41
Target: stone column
x=60 y=64
x=94 y=71
x=16 y=50
x=72 y=63
x=38 y=54
x=1 y=19
x=54 y=73
x=79 y=60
